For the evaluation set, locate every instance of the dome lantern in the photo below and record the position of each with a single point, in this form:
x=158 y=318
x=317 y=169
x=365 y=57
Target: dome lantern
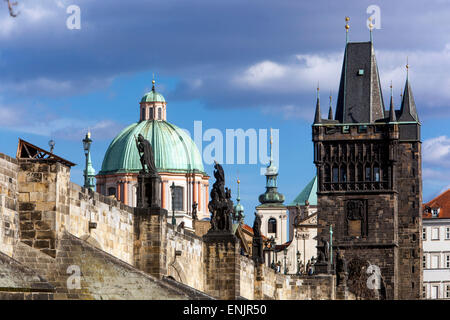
x=153 y=105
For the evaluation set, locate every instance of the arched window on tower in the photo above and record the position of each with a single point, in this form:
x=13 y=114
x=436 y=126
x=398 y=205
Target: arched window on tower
x=376 y=173
x=159 y=113
x=272 y=226
x=335 y=173
x=151 y=113
x=111 y=191
x=343 y=173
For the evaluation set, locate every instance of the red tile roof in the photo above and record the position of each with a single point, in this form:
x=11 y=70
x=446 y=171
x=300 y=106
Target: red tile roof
x=442 y=202
x=250 y=230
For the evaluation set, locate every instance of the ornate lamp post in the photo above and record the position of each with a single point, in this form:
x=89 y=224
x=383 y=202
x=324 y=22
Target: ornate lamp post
x=88 y=171
x=172 y=189
x=285 y=258
x=272 y=248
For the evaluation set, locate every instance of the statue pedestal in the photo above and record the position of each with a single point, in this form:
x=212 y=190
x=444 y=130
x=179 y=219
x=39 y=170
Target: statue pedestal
x=321 y=268
x=149 y=191
x=222 y=265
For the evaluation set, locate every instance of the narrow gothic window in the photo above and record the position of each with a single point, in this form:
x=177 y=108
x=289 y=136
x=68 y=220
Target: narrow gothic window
x=368 y=175
x=376 y=174
x=335 y=174
x=351 y=173
x=343 y=174
x=272 y=226
x=360 y=173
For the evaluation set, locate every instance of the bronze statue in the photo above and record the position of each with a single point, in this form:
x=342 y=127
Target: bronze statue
x=323 y=251
x=257 y=226
x=147 y=158
x=220 y=205
x=194 y=210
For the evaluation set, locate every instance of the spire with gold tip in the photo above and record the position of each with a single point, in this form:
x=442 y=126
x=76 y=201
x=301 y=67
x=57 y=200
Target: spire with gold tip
x=347 y=26
x=330 y=110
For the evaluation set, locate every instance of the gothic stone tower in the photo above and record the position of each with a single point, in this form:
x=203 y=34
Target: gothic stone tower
x=369 y=173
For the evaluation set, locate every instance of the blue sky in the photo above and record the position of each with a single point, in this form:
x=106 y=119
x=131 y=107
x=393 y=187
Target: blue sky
x=230 y=64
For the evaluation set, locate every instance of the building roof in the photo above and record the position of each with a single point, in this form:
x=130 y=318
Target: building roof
x=360 y=99
x=441 y=202
x=308 y=193
x=408 y=110
x=173 y=149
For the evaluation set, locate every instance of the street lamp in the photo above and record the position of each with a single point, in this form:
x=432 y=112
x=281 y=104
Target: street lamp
x=272 y=248
x=172 y=189
x=87 y=147
x=285 y=254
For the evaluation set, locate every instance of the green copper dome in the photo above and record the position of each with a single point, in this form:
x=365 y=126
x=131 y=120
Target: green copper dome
x=153 y=96
x=174 y=150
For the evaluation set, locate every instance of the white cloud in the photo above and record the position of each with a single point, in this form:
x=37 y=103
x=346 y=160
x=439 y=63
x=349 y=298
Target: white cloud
x=436 y=151
x=16 y=118
x=301 y=74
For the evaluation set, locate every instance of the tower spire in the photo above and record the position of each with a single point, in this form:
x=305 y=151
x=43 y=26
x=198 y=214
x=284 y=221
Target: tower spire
x=370 y=28
x=318 y=117
x=271 y=142
x=392 y=117
x=153 y=82
x=330 y=110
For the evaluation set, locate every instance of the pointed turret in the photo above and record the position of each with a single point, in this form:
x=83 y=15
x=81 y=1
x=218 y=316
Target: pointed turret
x=408 y=110
x=392 y=117
x=360 y=99
x=318 y=117
x=330 y=111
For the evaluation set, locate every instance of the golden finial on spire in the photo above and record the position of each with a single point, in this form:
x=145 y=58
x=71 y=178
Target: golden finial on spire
x=407 y=67
x=391 y=88
x=370 y=24
x=238 y=181
x=347 y=19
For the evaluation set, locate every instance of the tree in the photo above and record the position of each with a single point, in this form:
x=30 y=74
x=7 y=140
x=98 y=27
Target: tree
x=10 y=8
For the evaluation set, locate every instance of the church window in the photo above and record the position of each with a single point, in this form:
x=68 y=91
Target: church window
x=178 y=198
x=111 y=191
x=335 y=174
x=151 y=113
x=376 y=174
x=159 y=113
x=143 y=113
x=272 y=226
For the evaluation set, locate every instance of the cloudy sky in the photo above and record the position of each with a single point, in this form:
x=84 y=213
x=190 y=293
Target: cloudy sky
x=230 y=64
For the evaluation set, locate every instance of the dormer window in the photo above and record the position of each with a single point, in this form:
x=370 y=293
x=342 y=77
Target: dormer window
x=435 y=212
